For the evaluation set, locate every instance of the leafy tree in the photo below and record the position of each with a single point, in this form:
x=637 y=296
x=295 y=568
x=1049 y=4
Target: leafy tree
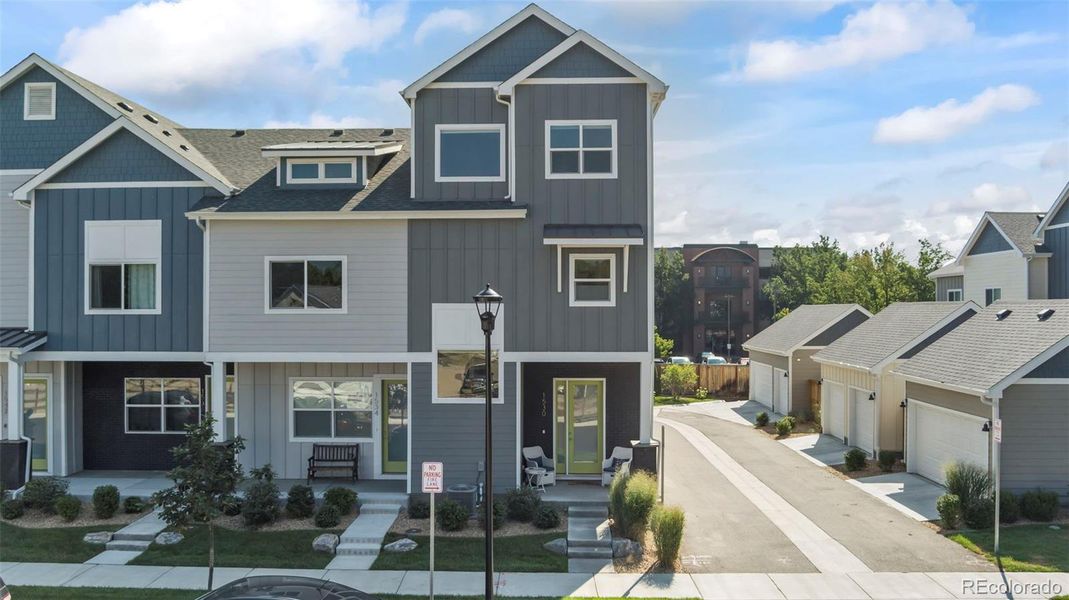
x=662 y=345
x=671 y=293
x=678 y=379
x=797 y=272
x=205 y=475
x=930 y=257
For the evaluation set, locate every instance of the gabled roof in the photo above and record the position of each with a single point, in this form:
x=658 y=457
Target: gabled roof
x=800 y=326
x=1016 y=227
x=985 y=354
x=951 y=269
x=890 y=333
x=1059 y=203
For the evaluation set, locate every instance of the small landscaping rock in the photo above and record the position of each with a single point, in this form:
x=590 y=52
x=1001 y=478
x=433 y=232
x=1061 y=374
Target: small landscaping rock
x=401 y=545
x=623 y=548
x=169 y=538
x=98 y=537
x=326 y=542
x=557 y=546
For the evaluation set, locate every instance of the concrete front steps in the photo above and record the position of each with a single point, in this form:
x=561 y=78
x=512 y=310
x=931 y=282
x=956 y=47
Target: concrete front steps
x=137 y=536
x=364 y=536
x=588 y=533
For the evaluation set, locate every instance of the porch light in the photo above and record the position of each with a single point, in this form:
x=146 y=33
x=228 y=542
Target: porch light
x=987 y=427
x=487 y=305
x=872 y=396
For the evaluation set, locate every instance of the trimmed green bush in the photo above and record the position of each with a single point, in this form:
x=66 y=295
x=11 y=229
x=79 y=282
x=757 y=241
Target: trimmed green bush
x=546 y=517
x=968 y=482
x=68 y=507
x=451 y=516
x=522 y=503
x=1009 y=507
x=133 y=505
x=855 y=459
x=327 y=516
x=42 y=493
x=761 y=419
x=342 y=498
x=667 y=525
x=887 y=459
x=419 y=509
x=786 y=425
x=105 y=501
x=701 y=393
x=500 y=510
x=677 y=379
x=260 y=506
x=949 y=507
x=640 y=496
x=1039 y=505
x=300 y=502
x=616 y=498
x=980 y=514
x=12 y=509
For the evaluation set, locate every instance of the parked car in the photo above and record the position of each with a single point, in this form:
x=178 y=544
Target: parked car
x=680 y=360
x=285 y=587
x=708 y=358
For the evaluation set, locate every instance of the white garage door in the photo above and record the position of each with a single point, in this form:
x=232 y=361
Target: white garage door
x=782 y=394
x=938 y=437
x=832 y=409
x=761 y=381
x=862 y=420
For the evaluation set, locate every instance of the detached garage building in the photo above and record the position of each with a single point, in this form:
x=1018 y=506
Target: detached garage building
x=781 y=356
x=1009 y=362
x=860 y=397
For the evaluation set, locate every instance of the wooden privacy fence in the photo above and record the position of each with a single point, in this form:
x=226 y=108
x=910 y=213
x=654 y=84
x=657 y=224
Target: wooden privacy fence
x=720 y=380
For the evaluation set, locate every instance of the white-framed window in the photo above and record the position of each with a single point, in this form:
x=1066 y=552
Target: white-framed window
x=304 y=284
x=324 y=409
x=992 y=295
x=592 y=280
x=581 y=149
x=460 y=373
x=954 y=295
x=123 y=261
x=469 y=152
x=230 y=389
x=39 y=101
x=321 y=170
x=161 y=404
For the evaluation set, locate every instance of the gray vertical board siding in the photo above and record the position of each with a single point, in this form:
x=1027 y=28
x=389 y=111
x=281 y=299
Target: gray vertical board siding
x=508 y=54
x=360 y=179
x=454 y=433
x=1035 y=448
x=59 y=267
x=454 y=106
x=14 y=254
x=263 y=413
x=582 y=61
x=376 y=279
x=1057 y=241
x=39 y=143
x=944 y=284
x=838 y=330
x=990 y=240
x=123 y=157
x=1056 y=367
x=3 y=399
x=945 y=329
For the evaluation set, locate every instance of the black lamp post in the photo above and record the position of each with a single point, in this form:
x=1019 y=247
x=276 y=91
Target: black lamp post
x=487 y=304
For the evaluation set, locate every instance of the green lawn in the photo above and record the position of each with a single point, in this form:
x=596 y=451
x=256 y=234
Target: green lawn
x=59 y=593
x=274 y=549
x=1023 y=547
x=521 y=553
x=60 y=544
x=670 y=401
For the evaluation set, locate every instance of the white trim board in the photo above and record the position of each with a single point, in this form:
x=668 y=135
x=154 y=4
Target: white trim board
x=984 y=220
x=440 y=128
x=337 y=215
x=34 y=60
x=1044 y=224
x=100 y=185
x=579 y=80
x=49 y=85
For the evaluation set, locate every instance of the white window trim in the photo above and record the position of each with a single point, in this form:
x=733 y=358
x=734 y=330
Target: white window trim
x=26 y=116
x=440 y=128
x=500 y=399
x=331 y=439
x=614 y=149
x=961 y=294
x=89 y=264
x=269 y=310
x=163 y=407
x=322 y=178
x=611 y=280
x=207 y=397
x=993 y=300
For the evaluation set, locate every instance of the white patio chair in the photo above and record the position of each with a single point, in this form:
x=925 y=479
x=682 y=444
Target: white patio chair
x=618 y=461
x=535 y=457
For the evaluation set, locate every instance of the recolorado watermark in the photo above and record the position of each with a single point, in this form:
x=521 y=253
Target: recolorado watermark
x=999 y=587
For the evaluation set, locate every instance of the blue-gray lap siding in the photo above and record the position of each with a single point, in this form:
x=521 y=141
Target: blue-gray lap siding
x=945 y=284
x=1057 y=241
x=59 y=268
x=454 y=433
x=37 y=144
x=990 y=240
x=123 y=157
x=508 y=54
x=582 y=61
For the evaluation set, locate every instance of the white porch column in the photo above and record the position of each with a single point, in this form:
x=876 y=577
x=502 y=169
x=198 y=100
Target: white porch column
x=645 y=411
x=218 y=397
x=14 y=398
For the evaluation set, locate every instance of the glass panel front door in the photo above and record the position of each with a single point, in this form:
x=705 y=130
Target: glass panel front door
x=35 y=420
x=585 y=448
x=394 y=426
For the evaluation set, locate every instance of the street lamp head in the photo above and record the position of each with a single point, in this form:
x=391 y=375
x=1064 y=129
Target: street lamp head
x=487 y=304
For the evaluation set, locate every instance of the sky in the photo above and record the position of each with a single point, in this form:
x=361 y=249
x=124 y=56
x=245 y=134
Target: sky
x=867 y=122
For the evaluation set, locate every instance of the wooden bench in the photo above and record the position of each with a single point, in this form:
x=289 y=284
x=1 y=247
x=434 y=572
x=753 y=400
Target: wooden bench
x=333 y=456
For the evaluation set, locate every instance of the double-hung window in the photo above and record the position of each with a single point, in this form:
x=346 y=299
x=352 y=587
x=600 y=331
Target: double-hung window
x=954 y=295
x=161 y=404
x=310 y=284
x=122 y=267
x=321 y=170
x=581 y=149
x=331 y=408
x=593 y=280
x=469 y=152
x=992 y=295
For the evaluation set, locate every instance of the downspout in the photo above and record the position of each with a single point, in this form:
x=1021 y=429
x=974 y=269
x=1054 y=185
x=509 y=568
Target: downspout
x=512 y=146
x=996 y=474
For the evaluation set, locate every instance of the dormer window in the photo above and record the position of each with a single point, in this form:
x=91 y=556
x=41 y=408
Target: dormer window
x=39 y=102
x=321 y=170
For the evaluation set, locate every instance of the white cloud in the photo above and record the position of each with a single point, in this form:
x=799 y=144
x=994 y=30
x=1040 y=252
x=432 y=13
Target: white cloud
x=1056 y=157
x=448 y=19
x=882 y=32
x=162 y=48
x=939 y=122
x=319 y=120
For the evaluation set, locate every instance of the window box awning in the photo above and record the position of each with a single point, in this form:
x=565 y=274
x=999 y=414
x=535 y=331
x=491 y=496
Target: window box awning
x=592 y=236
x=20 y=340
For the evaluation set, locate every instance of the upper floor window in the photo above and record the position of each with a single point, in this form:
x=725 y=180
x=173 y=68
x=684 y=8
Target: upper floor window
x=593 y=280
x=581 y=149
x=122 y=267
x=469 y=152
x=954 y=296
x=39 y=102
x=992 y=295
x=321 y=170
x=314 y=283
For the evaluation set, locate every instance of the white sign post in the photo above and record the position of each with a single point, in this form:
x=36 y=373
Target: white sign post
x=433 y=477
x=997 y=430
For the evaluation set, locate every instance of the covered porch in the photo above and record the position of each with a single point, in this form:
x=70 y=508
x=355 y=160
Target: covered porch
x=576 y=493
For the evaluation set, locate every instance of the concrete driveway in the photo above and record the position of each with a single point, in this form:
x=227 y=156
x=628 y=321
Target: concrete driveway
x=907 y=493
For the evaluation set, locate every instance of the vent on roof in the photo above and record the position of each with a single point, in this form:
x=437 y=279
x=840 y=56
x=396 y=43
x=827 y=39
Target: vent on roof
x=386 y=132
x=126 y=107
x=336 y=133
x=1045 y=314
x=1002 y=314
x=238 y=133
x=151 y=119
x=166 y=133
x=183 y=146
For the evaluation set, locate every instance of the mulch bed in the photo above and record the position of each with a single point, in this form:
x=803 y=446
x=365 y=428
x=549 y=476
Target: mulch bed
x=511 y=528
x=800 y=429
x=36 y=519
x=871 y=469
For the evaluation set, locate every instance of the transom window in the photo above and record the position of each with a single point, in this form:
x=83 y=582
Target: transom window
x=992 y=295
x=469 y=152
x=122 y=270
x=305 y=284
x=331 y=408
x=581 y=149
x=954 y=295
x=161 y=404
x=39 y=102
x=321 y=170
x=593 y=280
x=461 y=375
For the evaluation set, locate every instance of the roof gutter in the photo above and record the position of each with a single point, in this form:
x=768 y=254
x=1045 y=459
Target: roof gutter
x=512 y=143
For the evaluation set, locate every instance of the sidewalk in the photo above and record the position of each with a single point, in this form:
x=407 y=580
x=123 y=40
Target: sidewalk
x=719 y=586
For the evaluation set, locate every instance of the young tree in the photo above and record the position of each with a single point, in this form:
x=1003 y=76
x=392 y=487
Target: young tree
x=662 y=345
x=678 y=379
x=671 y=293
x=206 y=473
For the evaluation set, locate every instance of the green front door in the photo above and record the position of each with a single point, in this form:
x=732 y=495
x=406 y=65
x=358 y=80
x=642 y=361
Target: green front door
x=394 y=426
x=585 y=416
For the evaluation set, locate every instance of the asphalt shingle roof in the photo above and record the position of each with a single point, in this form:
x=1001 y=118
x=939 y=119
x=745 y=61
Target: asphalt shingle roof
x=887 y=333
x=983 y=351
x=1018 y=227
x=798 y=327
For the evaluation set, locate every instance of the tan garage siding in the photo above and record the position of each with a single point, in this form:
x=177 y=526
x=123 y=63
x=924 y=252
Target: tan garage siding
x=803 y=368
x=947 y=399
x=1035 y=447
x=892 y=415
x=779 y=362
x=847 y=377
